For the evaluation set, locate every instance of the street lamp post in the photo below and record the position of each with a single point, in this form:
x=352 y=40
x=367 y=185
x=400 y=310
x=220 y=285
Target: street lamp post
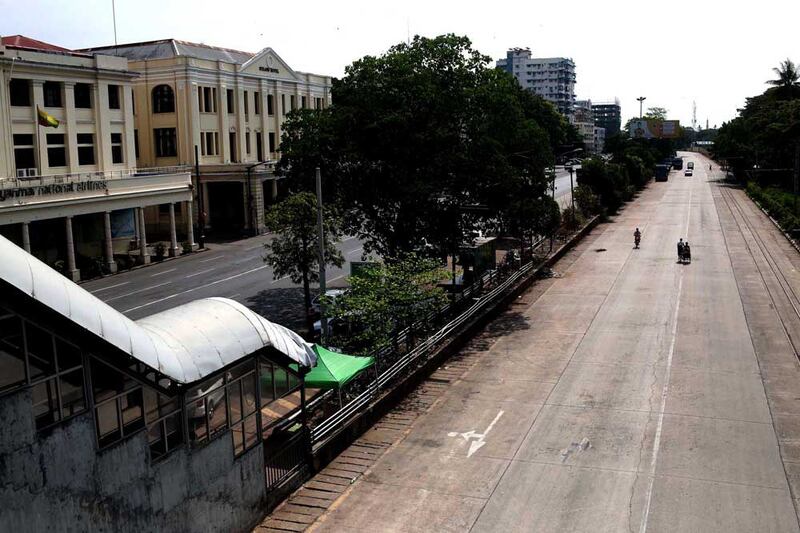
x=572 y=192
x=323 y=320
x=640 y=100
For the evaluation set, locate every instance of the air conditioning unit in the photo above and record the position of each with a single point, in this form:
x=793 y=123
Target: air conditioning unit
x=26 y=172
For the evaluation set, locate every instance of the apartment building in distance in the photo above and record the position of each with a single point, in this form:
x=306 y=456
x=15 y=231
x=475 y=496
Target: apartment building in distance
x=552 y=78
x=227 y=106
x=70 y=190
x=608 y=115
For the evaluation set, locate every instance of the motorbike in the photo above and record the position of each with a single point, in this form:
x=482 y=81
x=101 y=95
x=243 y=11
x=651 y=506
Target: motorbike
x=686 y=255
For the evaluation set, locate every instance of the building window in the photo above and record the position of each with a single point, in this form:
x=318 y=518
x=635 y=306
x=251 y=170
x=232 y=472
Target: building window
x=304 y=102
x=163 y=99
x=270 y=105
x=271 y=140
x=20 y=92
x=83 y=96
x=207 y=99
x=12 y=351
x=246 y=106
x=232 y=144
x=86 y=149
x=24 y=156
x=279 y=393
x=136 y=144
x=116 y=149
x=247 y=142
x=56 y=152
x=293 y=102
x=52 y=94
x=257 y=103
x=118 y=404
x=283 y=104
x=209 y=143
x=243 y=405
x=164 y=422
x=165 y=142
x=206 y=410
x=231 y=104
x=113 y=97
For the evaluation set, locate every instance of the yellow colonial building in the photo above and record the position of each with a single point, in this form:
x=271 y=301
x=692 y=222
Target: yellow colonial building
x=70 y=189
x=226 y=107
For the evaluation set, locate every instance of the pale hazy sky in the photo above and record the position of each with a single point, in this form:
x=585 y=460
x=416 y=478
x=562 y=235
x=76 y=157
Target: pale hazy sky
x=715 y=53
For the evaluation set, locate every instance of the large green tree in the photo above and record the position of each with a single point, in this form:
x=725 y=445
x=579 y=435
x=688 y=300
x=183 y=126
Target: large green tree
x=294 y=251
x=425 y=144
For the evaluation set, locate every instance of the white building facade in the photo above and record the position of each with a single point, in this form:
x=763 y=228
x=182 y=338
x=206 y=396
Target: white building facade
x=552 y=78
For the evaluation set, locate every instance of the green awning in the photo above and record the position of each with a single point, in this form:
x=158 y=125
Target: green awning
x=334 y=370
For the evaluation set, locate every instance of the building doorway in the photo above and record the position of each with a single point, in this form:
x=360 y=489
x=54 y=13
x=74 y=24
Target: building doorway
x=226 y=201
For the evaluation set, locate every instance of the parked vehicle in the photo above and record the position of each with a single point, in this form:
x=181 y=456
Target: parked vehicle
x=677 y=163
x=662 y=172
x=332 y=294
x=690 y=165
x=688 y=172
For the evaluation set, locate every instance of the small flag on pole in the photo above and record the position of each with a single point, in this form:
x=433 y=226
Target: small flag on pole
x=45 y=119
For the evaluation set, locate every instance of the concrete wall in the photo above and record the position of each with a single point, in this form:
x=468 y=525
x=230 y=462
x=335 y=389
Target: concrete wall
x=57 y=481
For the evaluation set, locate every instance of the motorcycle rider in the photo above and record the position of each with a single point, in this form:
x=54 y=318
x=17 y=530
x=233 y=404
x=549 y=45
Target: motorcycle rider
x=680 y=249
x=637 y=237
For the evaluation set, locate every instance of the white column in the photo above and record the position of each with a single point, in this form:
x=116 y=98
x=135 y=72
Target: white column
x=174 y=251
x=144 y=257
x=72 y=272
x=274 y=190
x=109 y=244
x=26 y=237
x=189 y=224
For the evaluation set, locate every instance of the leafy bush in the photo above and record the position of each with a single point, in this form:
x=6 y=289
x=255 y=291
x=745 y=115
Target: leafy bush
x=587 y=201
x=779 y=204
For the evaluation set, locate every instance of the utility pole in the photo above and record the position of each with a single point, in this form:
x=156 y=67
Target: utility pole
x=323 y=320
x=640 y=100
x=201 y=217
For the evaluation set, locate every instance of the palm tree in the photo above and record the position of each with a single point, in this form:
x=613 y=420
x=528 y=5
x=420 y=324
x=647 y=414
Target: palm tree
x=788 y=75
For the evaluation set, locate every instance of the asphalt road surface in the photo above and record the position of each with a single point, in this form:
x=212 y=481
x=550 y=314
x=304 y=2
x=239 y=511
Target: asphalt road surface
x=630 y=393
x=233 y=270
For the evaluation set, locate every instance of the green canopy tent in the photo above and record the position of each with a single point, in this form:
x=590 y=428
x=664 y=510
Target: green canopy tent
x=335 y=370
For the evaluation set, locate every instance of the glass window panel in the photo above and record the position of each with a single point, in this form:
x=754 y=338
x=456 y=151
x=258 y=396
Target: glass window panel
x=69 y=356
x=239 y=370
x=40 y=351
x=281 y=382
x=174 y=430
x=266 y=382
x=196 y=413
x=132 y=408
x=107 y=381
x=249 y=394
x=294 y=381
x=12 y=358
x=155 y=437
x=45 y=403
x=72 y=394
x=151 y=412
x=237 y=433
x=218 y=413
x=235 y=397
x=107 y=423
x=250 y=432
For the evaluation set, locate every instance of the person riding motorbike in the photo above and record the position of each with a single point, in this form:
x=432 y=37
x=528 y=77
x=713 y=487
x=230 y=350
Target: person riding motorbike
x=637 y=237
x=687 y=251
x=680 y=249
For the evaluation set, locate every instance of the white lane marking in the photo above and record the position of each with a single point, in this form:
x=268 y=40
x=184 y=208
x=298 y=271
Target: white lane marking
x=665 y=387
x=279 y=279
x=195 y=288
x=211 y=259
x=165 y=272
x=138 y=291
x=110 y=287
x=357 y=250
x=334 y=279
x=232 y=296
x=476 y=440
x=254 y=248
x=201 y=272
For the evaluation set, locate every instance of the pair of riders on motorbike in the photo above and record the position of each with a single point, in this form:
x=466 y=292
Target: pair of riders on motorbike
x=684 y=250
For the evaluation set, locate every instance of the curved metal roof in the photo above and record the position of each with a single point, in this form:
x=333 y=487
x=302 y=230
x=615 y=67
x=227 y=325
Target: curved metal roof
x=185 y=343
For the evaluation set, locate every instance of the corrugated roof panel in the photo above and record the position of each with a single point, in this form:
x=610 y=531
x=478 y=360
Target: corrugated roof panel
x=185 y=343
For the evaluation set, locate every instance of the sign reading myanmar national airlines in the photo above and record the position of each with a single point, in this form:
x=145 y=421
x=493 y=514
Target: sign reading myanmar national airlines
x=52 y=189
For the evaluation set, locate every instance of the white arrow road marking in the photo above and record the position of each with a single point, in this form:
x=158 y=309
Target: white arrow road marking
x=478 y=439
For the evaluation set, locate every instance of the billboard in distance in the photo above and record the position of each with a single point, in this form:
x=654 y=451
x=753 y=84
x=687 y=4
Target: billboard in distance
x=655 y=129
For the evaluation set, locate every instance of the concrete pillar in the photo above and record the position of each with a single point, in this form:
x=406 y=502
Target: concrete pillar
x=72 y=272
x=109 y=244
x=257 y=192
x=174 y=251
x=189 y=224
x=39 y=138
x=144 y=257
x=26 y=237
x=70 y=125
x=274 y=190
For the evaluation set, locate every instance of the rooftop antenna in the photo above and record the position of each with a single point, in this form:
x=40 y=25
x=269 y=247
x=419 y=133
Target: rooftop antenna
x=408 y=31
x=694 y=115
x=114 y=16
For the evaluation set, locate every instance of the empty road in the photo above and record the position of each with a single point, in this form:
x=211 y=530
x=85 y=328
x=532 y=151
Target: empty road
x=630 y=393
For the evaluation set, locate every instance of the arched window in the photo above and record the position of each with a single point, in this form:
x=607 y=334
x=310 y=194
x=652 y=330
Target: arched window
x=163 y=99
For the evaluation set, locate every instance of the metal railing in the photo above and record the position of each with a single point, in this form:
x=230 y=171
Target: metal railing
x=465 y=306
x=77 y=177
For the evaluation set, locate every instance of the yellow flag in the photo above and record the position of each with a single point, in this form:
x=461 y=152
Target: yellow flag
x=45 y=119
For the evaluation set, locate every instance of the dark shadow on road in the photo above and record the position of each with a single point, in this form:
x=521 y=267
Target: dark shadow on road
x=282 y=306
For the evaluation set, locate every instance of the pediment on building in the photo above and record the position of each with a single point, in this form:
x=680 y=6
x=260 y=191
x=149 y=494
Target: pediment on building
x=268 y=63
